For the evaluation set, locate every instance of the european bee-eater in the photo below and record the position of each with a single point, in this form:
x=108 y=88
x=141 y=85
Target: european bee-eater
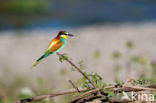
x=55 y=45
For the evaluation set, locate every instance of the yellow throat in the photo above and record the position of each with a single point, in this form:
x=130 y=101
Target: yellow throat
x=64 y=36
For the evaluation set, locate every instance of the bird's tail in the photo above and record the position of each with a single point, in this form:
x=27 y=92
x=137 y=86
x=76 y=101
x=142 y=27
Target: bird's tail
x=38 y=60
x=35 y=64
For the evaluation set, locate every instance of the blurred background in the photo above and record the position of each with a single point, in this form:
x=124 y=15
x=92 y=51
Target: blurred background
x=32 y=14
x=113 y=38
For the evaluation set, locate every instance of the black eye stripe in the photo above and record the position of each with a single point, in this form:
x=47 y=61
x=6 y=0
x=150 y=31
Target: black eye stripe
x=64 y=34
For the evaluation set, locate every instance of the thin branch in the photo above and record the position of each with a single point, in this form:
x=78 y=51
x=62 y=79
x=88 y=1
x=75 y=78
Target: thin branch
x=152 y=86
x=85 y=94
x=141 y=88
x=74 y=86
x=88 y=99
x=38 y=98
x=120 y=90
x=78 y=69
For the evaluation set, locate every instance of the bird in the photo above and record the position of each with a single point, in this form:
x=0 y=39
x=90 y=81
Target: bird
x=55 y=45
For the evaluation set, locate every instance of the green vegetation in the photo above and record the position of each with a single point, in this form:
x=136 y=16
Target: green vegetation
x=23 y=7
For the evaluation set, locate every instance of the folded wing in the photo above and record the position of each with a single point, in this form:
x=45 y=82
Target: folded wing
x=54 y=46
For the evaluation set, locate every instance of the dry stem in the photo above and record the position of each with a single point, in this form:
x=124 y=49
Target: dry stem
x=78 y=69
x=74 y=86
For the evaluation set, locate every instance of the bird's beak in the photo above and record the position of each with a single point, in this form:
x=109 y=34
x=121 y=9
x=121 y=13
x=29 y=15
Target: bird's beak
x=70 y=35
